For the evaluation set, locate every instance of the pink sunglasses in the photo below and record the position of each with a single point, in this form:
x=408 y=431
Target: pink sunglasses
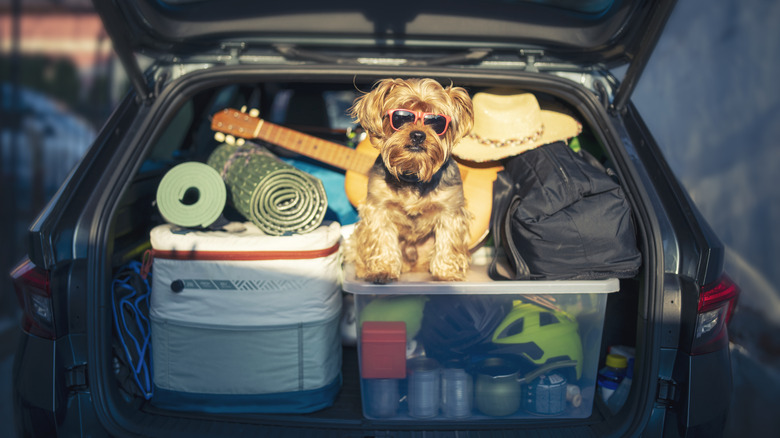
x=437 y=122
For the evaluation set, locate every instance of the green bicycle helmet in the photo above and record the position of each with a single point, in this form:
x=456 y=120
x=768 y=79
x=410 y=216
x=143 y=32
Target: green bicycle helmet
x=540 y=335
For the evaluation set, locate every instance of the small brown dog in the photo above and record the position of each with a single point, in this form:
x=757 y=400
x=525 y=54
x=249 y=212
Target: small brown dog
x=415 y=214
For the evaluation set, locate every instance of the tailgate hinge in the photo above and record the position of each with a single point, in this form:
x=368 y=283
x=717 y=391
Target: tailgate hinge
x=76 y=378
x=667 y=391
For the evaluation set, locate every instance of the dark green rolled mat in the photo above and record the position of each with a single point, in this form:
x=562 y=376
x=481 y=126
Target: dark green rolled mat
x=274 y=195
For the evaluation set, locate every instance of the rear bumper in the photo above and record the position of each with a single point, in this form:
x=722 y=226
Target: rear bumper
x=706 y=389
x=42 y=403
x=36 y=399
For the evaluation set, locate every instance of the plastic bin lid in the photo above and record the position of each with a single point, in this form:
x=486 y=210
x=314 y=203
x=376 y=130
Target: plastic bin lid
x=477 y=282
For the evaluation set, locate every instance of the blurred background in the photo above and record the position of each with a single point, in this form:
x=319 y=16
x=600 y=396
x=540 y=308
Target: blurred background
x=710 y=95
x=59 y=80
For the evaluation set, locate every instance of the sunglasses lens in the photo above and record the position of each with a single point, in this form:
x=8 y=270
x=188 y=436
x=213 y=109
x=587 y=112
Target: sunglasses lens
x=399 y=118
x=436 y=122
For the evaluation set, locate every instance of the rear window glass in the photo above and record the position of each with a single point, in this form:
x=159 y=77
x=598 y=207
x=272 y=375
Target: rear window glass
x=587 y=6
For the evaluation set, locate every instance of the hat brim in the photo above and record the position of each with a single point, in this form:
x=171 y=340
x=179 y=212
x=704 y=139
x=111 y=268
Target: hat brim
x=557 y=127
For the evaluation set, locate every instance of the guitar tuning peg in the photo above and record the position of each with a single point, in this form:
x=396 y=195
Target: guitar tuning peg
x=243 y=109
x=219 y=136
x=240 y=141
x=254 y=112
x=229 y=139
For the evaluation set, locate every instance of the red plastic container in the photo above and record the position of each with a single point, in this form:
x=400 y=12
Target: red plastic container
x=383 y=350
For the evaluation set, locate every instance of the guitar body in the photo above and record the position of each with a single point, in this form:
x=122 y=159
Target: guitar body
x=356 y=183
x=477 y=189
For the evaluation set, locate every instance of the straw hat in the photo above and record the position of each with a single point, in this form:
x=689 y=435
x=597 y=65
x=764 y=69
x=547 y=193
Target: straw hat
x=508 y=123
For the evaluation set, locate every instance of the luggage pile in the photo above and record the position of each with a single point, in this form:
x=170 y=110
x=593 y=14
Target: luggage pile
x=248 y=315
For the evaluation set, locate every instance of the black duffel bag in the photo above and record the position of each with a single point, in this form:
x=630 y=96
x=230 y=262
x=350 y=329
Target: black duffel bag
x=559 y=215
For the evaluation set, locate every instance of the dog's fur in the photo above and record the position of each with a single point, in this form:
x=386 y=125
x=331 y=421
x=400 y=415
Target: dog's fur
x=415 y=215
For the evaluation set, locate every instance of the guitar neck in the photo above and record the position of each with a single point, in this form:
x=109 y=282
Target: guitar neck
x=327 y=152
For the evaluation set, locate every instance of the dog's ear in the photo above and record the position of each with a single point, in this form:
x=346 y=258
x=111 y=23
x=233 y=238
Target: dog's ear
x=463 y=112
x=368 y=108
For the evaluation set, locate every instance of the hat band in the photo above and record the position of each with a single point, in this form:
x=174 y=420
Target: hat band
x=509 y=142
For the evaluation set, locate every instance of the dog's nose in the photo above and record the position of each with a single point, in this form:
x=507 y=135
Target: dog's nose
x=417 y=137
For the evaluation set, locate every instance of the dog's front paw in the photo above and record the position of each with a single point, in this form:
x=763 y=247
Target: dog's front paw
x=381 y=278
x=453 y=268
x=449 y=276
x=378 y=274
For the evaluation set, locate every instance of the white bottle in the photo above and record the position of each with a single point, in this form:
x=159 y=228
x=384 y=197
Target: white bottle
x=618 y=398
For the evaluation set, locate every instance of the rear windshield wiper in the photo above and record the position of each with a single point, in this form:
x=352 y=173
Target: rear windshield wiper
x=470 y=56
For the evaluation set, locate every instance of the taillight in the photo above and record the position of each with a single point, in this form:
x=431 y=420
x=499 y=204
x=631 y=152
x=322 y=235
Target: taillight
x=33 y=290
x=716 y=305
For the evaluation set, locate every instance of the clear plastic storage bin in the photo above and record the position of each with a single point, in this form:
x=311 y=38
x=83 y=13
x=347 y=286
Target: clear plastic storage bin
x=478 y=349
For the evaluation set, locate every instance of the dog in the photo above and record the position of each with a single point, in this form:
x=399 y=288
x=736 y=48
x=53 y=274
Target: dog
x=414 y=216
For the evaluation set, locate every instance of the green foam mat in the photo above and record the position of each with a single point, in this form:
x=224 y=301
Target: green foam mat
x=274 y=195
x=191 y=194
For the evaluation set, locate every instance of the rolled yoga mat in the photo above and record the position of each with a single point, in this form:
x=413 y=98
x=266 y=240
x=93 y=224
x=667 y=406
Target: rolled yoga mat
x=274 y=195
x=191 y=194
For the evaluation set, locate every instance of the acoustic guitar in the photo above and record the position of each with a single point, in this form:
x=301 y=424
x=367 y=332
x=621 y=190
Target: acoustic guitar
x=232 y=125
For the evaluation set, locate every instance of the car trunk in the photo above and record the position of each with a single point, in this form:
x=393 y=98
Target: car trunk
x=312 y=100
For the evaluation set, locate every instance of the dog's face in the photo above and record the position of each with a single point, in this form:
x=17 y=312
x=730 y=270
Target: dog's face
x=417 y=140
